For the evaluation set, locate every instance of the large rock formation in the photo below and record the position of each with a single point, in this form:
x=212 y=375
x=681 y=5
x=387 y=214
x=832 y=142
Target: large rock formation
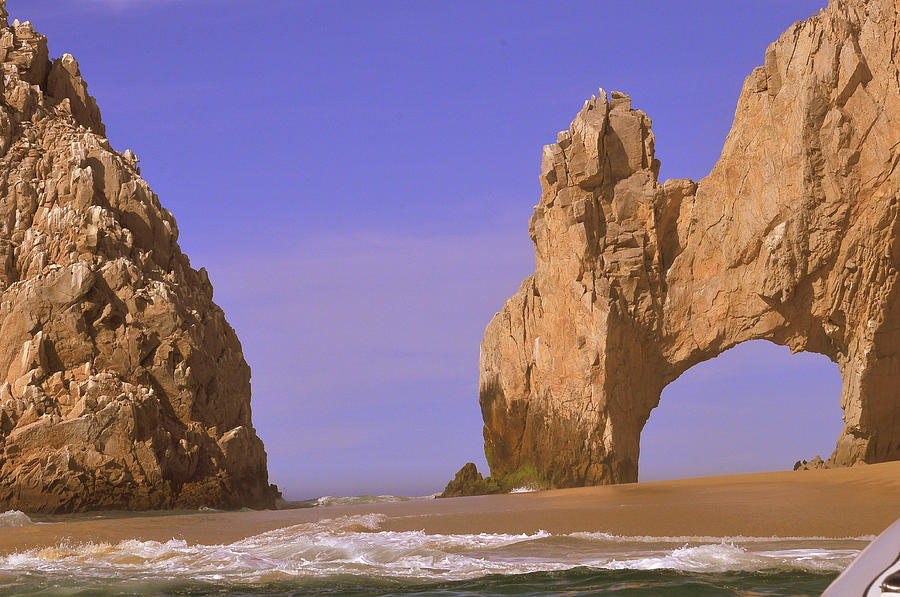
x=793 y=238
x=121 y=383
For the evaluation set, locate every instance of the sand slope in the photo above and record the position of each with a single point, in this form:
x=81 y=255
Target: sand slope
x=846 y=502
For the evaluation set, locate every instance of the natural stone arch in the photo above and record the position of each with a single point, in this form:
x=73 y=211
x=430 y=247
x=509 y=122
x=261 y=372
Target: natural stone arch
x=792 y=238
x=755 y=407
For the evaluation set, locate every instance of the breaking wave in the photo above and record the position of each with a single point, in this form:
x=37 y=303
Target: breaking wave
x=355 y=546
x=727 y=557
x=14 y=518
x=714 y=539
x=356 y=500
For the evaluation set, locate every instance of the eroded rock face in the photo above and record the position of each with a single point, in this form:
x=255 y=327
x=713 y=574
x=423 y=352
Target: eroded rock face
x=121 y=383
x=793 y=237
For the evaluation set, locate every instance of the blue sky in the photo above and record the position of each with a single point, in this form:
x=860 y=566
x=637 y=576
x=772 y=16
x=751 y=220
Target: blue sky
x=357 y=177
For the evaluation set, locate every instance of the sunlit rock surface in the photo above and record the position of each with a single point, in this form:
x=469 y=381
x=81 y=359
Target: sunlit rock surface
x=121 y=383
x=793 y=237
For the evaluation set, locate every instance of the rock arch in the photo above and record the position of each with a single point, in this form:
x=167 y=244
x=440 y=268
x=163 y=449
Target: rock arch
x=755 y=407
x=792 y=238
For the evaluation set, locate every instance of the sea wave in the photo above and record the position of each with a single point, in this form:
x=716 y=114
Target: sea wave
x=14 y=518
x=713 y=539
x=355 y=500
x=356 y=546
x=727 y=557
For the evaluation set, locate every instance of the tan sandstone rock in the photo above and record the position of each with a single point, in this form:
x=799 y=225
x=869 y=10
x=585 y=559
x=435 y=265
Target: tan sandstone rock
x=793 y=237
x=121 y=383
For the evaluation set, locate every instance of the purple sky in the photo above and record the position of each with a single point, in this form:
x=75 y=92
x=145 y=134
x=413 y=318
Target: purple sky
x=358 y=177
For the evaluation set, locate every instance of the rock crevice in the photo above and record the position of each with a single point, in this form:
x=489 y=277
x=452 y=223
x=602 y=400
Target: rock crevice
x=793 y=238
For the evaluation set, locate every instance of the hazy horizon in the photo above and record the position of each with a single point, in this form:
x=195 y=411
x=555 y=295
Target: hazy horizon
x=358 y=178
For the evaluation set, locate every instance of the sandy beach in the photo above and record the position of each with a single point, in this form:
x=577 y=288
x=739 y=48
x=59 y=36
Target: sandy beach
x=848 y=502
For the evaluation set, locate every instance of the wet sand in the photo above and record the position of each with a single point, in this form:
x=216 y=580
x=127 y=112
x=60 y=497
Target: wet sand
x=849 y=502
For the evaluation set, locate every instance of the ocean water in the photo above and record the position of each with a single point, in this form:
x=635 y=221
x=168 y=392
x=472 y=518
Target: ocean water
x=351 y=555
x=356 y=500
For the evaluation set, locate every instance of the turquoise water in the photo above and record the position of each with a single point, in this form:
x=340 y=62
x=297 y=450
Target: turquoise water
x=351 y=555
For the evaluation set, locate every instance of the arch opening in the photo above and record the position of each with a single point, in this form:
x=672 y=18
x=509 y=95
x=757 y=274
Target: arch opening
x=753 y=408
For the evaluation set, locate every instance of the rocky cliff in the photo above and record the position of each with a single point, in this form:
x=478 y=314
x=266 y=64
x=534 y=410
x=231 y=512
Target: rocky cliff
x=793 y=237
x=121 y=383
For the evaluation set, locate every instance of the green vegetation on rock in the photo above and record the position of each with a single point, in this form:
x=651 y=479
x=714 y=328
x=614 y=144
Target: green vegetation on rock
x=468 y=481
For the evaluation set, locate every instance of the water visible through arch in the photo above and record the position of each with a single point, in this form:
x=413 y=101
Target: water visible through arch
x=755 y=407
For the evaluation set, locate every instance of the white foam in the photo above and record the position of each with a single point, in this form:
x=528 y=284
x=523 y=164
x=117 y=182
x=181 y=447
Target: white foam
x=14 y=518
x=524 y=489
x=353 y=500
x=712 y=539
x=355 y=545
x=725 y=557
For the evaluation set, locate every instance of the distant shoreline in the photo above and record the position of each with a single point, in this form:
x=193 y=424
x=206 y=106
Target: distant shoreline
x=834 y=503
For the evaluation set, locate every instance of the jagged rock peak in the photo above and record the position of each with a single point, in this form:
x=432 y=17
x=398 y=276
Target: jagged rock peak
x=121 y=384
x=793 y=237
